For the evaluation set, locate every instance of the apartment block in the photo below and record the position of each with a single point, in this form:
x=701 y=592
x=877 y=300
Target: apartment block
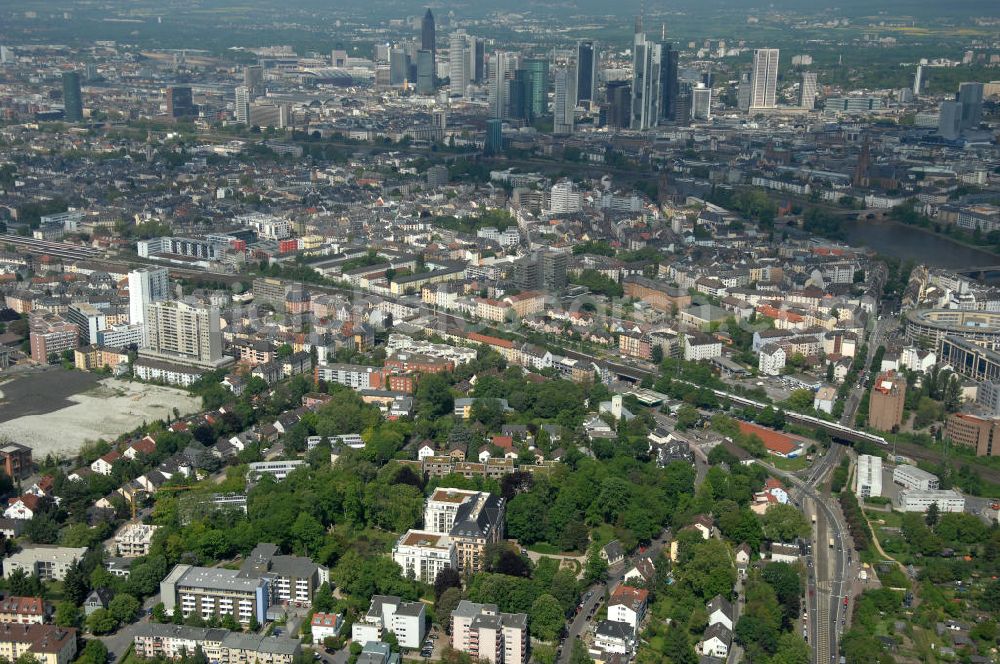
x=917 y=500
x=49 y=562
x=292 y=579
x=472 y=519
x=423 y=554
x=153 y=640
x=484 y=633
x=868 y=483
x=16 y=460
x=912 y=477
x=885 y=407
x=48 y=644
x=209 y=591
x=279 y=470
x=50 y=333
x=388 y=613
x=22 y=610
x=981 y=434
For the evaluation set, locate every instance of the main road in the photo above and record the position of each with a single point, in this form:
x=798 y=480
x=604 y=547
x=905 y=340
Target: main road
x=831 y=575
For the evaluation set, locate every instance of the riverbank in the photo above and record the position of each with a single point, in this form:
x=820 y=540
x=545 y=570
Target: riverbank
x=913 y=243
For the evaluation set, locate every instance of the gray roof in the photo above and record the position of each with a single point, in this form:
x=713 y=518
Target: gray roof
x=479 y=516
x=214 y=578
x=614 y=629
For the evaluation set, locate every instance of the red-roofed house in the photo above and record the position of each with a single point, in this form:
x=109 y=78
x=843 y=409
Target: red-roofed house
x=103 y=464
x=23 y=507
x=776 y=443
x=22 y=610
x=628 y=605
x=145 y=445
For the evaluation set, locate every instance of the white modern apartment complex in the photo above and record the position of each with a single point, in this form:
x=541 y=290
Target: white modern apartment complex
x=422 y=554
x=49 y=562
x=387 y=613
x=868 y=483
x=472 y=519
x=912 y=477
x=920 y=500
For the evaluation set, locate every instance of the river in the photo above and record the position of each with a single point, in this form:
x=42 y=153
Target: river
x=921 y=246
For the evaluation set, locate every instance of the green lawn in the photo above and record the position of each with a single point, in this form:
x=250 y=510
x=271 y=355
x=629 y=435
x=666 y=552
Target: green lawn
x=789 y=465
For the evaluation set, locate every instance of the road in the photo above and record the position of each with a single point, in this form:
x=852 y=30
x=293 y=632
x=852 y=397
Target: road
x=832 y=573
x=581 y=622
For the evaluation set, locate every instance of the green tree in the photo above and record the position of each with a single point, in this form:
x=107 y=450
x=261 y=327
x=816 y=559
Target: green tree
x=547 y=617
x=67 y=614
x=931 y=517
x=95 y=652
x=102 y=621
x=783 y=523
x=596 y=568
x=687 y=417
x=791 y=650
x=124 y=607
x=308 y=534
x=446 y=603
x=76 y=585
x=677 y=645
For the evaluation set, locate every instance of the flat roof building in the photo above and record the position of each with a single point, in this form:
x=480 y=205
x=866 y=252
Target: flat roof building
x=49 y=562
x=912 y=477
x=210 y=591
x=916 y=500
x=868 y=483
x=885 y=406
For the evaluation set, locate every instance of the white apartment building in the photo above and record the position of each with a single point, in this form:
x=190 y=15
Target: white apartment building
x=387 y=613
x=50 y=563
x=267 y=226
x=565 y=198
x=771 y=360
x=355 y=376
x=912 y=477
x=279 y=470
x=916 y=500
x=868 y=483
x=423 y=554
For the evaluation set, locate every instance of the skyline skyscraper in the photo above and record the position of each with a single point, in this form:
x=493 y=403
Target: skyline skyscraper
x=399 y=66
x=521 y=95
x=565 y=103
x=918 y=80
x=253 y=78
x=669 y=87
x=458 y=63
x=950 y=120
x=619 y=96
x=428 y=34
x=586 y=71
x=646 y=95
x=243 y=97
x=501 y=72
x=494 y=136
x=970 y=96
x=425 y=72
x=764 y=80
x=146 y=286
x=538 y=69
x=807 y=90
x=701 y=102
x=72 y=96
x=180 y=103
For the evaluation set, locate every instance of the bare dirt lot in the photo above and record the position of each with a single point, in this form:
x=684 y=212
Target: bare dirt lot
x=56 y=411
